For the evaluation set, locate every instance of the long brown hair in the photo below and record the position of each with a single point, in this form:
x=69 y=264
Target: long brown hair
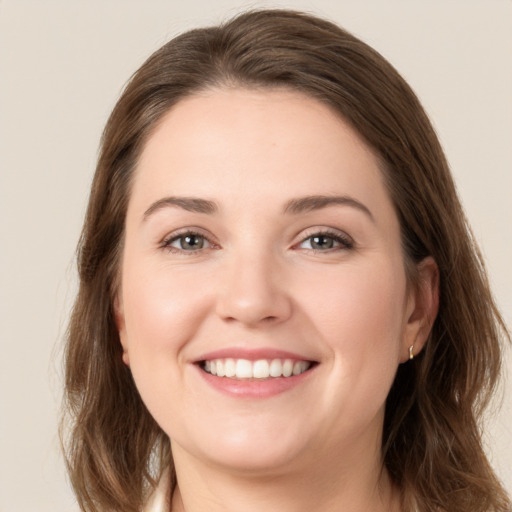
x=431 y=444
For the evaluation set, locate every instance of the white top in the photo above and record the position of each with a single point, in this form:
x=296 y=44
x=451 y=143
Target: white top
x=157 y=500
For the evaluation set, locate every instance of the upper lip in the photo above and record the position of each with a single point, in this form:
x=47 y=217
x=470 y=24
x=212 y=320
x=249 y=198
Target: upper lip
x=251 y=354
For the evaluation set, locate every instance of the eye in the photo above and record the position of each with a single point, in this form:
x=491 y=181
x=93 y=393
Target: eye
x=186 y=242
x=326 y=241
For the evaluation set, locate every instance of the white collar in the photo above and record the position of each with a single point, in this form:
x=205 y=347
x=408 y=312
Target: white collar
x=157 y=501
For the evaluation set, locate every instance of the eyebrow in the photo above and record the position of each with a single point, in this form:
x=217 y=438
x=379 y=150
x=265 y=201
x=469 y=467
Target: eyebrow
x=293 y=206
x=311 y=203
x=191 y=204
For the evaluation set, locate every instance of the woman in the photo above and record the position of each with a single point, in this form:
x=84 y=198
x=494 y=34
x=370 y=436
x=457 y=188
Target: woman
x=280 y=306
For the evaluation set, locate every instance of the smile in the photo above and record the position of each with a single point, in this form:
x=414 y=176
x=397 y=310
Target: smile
x=258 y=369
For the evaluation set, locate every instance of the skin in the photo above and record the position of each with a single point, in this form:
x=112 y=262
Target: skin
x=259 y=283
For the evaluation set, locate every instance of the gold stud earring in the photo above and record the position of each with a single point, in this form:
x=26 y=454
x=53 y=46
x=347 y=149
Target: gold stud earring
x=411 y=354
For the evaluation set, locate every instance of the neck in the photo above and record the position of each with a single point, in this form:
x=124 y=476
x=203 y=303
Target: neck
x=353 y=484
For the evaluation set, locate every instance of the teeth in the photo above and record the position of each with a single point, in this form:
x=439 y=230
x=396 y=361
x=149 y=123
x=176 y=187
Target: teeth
x=243 y=369
x=260 y=369
x=287 y=368
x=220 y=368
x=229 y=367
x=298 y=368
x=276 y=368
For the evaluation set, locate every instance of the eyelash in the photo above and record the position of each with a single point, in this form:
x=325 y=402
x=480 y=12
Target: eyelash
x=166 y=243
x=344 y=241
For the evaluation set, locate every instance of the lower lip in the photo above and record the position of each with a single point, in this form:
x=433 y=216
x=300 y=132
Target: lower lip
x=263 y=388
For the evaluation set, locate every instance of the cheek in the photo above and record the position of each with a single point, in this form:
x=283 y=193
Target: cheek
x=159 y=303
x=360 y=302
x=360 y=318
x=162 y=312
x=370 y=312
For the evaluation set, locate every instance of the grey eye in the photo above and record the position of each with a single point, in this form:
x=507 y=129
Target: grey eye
x=326 y=241
x=322 y=242
x=188 y=242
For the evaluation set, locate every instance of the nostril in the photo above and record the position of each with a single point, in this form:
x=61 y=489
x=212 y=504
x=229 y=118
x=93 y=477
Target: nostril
x=252 y=297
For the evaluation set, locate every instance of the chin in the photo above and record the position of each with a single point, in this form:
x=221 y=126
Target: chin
x=252 y=450
x=254 y=460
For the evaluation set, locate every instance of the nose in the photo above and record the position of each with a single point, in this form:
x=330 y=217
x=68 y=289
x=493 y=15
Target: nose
x=253 y=292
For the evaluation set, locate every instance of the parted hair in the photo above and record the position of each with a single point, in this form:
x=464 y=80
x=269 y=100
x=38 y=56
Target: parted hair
x=432 y=446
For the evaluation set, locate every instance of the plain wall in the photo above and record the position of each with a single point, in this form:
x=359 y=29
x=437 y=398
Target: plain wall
x=62 y=66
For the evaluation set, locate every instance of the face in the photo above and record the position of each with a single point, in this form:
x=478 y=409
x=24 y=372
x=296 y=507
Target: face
x=263 y=307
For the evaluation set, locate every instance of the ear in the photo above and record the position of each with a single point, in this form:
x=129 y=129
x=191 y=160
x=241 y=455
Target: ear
x=121 y=327
x=422 y=308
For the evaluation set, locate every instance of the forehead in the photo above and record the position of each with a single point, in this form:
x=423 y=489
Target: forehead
x=269 y=143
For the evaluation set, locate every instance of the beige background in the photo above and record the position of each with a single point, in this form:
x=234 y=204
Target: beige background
x=62 y=66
